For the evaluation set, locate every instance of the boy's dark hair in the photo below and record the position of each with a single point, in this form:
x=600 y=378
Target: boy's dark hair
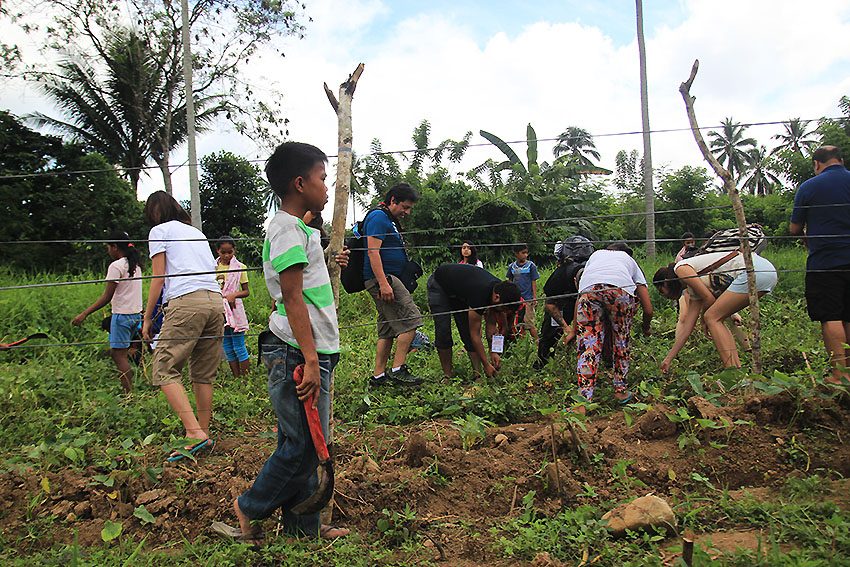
x=121 y=239
x=826 y=153
x=162 y=207
x=508 y=292
x=226 y=239
x=620 y=246
x=401 y=192
x=667 y=275
x=688 y=236
x=290 y=160
x=520 y=247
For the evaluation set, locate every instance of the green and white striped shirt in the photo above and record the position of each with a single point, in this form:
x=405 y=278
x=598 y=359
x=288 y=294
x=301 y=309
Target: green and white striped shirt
x=290 y=242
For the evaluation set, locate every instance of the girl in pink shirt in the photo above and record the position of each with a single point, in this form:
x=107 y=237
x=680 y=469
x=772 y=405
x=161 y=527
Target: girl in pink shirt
x=124 y=291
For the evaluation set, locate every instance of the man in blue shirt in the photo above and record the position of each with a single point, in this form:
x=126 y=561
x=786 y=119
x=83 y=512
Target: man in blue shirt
x=386 y=259
x=822 y=216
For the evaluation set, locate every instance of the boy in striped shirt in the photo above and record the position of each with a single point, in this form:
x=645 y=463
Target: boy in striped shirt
x=303 y=330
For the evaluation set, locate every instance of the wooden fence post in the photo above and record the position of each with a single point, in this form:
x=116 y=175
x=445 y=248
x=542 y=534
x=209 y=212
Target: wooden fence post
x=342 y=108
x=738 y=207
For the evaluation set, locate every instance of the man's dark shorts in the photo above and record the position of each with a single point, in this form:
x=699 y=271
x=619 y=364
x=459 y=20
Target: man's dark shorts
x=828 y=294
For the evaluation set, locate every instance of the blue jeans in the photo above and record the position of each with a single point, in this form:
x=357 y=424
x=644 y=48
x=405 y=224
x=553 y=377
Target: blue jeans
x=289 y=475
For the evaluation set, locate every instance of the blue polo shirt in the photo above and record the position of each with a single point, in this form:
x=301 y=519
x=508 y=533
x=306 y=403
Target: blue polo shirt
x=814 y=207
x=380 y=225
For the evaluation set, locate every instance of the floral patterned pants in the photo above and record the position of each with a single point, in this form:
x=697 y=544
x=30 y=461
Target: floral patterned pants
x=603 y=310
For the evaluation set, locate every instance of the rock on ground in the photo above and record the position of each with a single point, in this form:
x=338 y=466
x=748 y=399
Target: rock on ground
x=644 y=512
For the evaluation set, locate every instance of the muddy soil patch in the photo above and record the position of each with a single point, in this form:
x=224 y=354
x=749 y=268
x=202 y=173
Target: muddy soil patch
x=457 y=493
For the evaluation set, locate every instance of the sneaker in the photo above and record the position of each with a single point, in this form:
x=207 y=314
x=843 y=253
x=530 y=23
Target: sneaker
x=403 y=377
x=377 y=381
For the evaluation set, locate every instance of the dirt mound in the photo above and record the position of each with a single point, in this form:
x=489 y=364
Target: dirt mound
x=449 y=487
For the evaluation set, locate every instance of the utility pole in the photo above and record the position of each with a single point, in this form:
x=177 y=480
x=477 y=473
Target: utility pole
x=649 y=192
x=194 y=191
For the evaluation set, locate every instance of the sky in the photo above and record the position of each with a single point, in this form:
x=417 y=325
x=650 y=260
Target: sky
x=468 y=65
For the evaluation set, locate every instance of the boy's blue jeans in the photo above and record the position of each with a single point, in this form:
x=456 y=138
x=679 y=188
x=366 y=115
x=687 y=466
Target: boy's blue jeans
x=289 y=475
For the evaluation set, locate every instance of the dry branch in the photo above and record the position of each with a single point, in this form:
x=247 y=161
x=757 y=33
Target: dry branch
x=738 y=207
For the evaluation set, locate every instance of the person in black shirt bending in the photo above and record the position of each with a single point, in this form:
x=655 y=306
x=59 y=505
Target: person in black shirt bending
x=561 y=294
x=474 y=294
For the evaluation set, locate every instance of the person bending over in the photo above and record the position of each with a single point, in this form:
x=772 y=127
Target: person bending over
x=475 y=295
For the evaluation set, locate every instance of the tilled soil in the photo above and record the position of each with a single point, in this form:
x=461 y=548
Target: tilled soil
x=455 y=492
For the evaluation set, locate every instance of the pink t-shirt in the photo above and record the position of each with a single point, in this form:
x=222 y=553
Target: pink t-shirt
x=127 y=299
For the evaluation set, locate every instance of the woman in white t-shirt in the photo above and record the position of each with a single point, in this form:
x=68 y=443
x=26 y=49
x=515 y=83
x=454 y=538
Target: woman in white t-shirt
x=194 y=315
x=717 y=287
x=610 y=288
x=124 y=292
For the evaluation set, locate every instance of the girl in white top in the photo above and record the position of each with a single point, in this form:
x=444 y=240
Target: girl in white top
x=469 y=254
x=717 y=287
x=194 y=316
x=124 y=292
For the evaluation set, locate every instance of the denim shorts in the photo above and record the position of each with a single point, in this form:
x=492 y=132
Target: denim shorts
x=234 y=345
x=766 y=277
x=122 y=329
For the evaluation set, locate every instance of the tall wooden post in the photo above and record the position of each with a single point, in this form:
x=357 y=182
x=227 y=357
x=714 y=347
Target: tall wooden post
x=738 y=207
x=342 y=108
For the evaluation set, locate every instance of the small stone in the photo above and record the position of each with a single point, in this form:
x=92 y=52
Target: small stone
x=501 y=440
x=644 y=512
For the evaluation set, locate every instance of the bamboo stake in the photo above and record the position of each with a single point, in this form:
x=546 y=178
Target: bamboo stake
x=738 y=207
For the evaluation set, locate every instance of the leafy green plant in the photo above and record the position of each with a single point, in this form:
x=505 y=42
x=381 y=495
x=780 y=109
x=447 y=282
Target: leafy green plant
x=395 y=527
x=472 y=429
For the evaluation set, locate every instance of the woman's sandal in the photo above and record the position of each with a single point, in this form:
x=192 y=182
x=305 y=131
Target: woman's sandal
x=205 y=444
x=630 y=397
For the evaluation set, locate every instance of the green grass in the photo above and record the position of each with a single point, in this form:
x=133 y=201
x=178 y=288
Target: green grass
x=61 y=407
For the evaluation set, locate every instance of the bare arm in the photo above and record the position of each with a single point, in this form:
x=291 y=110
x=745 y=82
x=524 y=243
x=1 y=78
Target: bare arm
x=292 y=289
x=101 y=301
x=555 y=312
x=244 y=292
x=475 y=332
x=795 y=229
x=645 y=304
x=155 y=290
x=688 y=324
x=374 y=254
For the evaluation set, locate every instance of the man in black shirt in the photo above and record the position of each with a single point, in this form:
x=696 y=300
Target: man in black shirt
x=473 y=294
x=561 y=294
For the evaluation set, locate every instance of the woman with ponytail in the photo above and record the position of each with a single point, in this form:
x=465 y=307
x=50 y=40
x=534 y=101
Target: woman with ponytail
x=124 y=292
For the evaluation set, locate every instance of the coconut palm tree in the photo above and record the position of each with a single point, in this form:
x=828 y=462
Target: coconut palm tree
x=731 y=147
x=796 y=137
x=761 y=180
x=577 y=144
x=127 y=112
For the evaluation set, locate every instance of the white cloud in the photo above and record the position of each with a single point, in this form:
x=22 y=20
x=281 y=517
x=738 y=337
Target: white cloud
x=760 y=60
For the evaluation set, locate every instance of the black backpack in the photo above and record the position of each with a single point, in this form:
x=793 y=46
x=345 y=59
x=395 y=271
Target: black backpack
x=351 y=276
